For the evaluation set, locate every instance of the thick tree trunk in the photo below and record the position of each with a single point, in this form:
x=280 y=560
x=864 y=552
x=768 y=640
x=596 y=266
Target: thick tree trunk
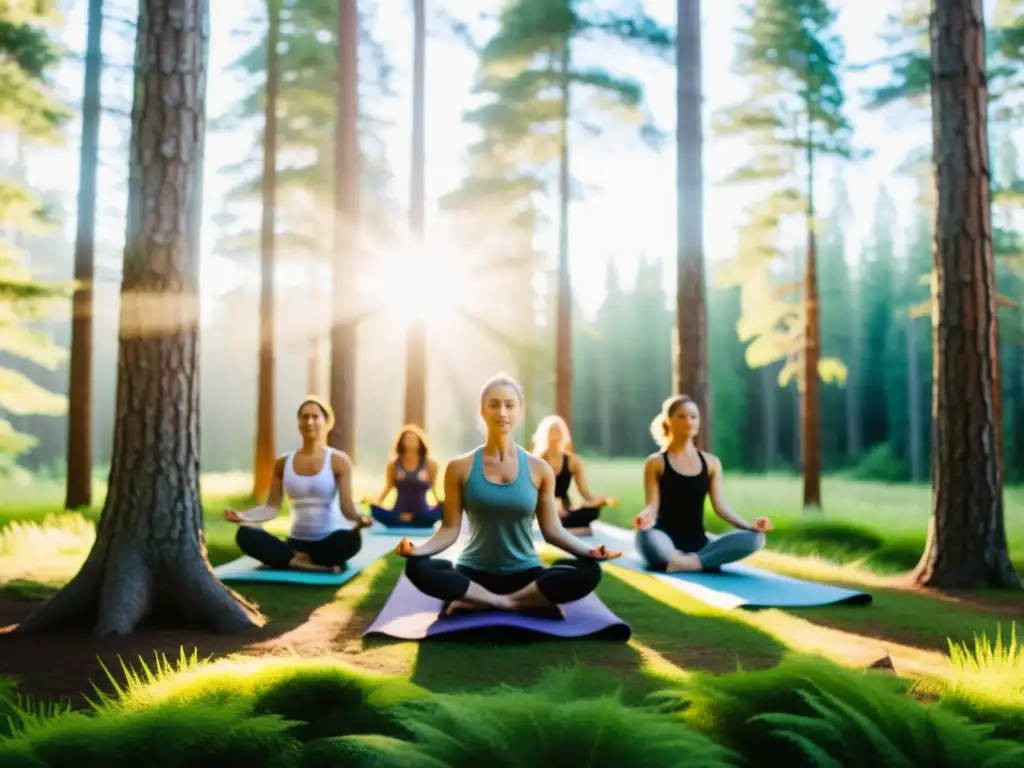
x=346 y=234
x=563 y=333
x=149 y=558
x=416 y=339
x=810 y=402
x=691 y=370
x=78 y=492
x=263 y=465
x=966 y=536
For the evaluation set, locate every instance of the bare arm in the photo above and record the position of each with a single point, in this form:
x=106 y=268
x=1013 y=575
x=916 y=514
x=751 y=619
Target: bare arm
x=653 y=468
x=389 y=483
x=580 y=476
x=274 y=498
x=718 y=501
x=547 y=514
x=451 y=521
x=342 y=466
x=432 y=478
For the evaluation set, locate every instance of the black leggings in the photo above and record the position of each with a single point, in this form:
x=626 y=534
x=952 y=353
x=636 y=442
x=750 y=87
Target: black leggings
x=580 y=518
x=333 y=549
x=566 y=581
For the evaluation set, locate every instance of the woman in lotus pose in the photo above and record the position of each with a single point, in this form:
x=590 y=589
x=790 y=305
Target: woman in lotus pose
x=671 y=535
x=502 y=488
x=553 y=443
x=412 y=472
x=315 y=478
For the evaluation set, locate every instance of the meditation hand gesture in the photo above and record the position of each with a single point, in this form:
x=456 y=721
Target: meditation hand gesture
x=643 y=521
x=232 y=515
x=611 y=501
x=603 y=553
x=763 y=525
x=405 y=548
x=365 y=521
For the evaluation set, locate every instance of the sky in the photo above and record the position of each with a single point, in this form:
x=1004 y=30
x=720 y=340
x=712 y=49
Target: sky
x=628 y=210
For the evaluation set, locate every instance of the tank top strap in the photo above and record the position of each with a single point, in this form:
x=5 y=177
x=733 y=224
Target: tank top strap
x=524 y=467
x=703 y=463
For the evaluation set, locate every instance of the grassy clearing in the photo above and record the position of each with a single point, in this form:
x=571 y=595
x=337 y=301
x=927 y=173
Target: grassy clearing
x=803 y=712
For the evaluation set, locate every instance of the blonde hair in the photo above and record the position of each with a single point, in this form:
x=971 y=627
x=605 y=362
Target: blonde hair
x=660 y=430
x=325 y=409
x=539 y=441
x=502 y=379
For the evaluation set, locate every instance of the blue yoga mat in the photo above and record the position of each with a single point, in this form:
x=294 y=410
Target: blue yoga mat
x=398 y=531
x=249 y=570
x=738 y=585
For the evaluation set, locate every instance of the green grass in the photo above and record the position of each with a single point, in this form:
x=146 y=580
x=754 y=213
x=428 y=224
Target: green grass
x=866 y=531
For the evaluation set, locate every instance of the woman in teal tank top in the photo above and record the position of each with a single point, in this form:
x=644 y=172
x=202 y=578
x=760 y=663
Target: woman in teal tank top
x=502 y=489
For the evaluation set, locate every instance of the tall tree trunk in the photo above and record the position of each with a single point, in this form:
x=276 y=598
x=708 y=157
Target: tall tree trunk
x=691 y=371
x=966 y=536
x=150 y=556
x=416 y=340
x=913 y=406
x=263 y=465
x=563 y=333
x=78 y=492
x=810 y=403
x=346 y=231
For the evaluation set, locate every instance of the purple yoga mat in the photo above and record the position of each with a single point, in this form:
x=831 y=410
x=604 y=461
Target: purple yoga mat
x=410 y=615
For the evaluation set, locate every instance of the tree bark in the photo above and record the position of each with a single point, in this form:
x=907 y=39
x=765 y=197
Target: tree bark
x=913 y=405
x=810 y=402
x=346 y=237
x=691 y=370
x=416 y=339
x=78 y=492
x=563 y=333
x=966 y=536
x=263 y=465
x=149 y=559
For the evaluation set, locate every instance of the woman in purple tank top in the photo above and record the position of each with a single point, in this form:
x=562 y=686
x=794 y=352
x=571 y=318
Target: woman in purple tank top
x=411 y=471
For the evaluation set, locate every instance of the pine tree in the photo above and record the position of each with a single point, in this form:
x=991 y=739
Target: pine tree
x=29 y=110
x=795 y=114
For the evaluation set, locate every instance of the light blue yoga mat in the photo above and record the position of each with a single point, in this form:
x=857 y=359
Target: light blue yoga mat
x=249 y=570
x=399 y=531
x=738 y=585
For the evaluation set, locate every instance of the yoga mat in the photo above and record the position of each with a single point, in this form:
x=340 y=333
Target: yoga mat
x=738 y=585
x=247 y=569
x=410 y=615
x=398 y=530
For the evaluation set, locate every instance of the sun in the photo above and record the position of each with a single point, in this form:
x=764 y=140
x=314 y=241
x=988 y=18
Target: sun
x=419 y=286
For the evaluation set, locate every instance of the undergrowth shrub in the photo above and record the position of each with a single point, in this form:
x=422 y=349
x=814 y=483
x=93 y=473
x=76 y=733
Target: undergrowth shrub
x=251 y=713
x=510 y=728
x=986 y=682
x=810 y=712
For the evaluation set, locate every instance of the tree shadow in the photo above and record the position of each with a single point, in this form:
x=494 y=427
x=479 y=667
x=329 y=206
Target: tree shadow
x=66 y=665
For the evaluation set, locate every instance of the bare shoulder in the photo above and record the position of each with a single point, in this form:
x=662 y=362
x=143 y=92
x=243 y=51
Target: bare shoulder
x=432 y=465
x=540 y=470
x=460 y=465
x=714 y=463
x=575 y=463
x=279 y=464
x=655 y=461
x=340 y=461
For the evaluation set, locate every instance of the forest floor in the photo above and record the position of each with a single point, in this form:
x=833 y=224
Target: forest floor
x=867 y=535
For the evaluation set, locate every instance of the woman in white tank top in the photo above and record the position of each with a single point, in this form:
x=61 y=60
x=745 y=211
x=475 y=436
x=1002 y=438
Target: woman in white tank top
x=318 y=482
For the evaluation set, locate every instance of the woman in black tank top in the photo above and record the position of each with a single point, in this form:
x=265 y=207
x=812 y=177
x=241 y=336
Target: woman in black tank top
x=677 y=481
x=553 y=443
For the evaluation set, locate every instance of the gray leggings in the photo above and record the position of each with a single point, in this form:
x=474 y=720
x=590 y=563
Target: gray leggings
x=656 y=548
